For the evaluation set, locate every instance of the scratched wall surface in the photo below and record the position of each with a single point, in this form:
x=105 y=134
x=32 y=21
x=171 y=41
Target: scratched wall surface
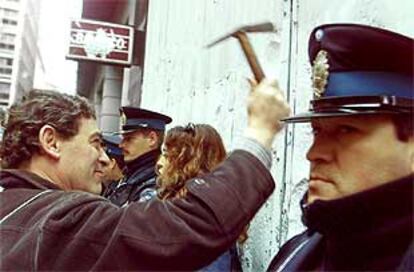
x=192 y=83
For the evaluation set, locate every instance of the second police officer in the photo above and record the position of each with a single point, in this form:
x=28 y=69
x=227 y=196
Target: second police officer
x=142 y=133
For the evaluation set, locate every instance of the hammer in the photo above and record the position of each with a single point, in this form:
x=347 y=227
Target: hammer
x=241 y=35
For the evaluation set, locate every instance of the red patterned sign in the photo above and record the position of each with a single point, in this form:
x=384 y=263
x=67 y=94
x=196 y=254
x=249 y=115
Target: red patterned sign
x=101 y=41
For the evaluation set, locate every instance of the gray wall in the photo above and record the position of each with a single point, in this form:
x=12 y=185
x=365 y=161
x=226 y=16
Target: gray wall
x=190 y=83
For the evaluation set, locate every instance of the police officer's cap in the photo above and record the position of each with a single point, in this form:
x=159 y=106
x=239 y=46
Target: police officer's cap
x=359 y=69
x=136 y=118
x=112 y=145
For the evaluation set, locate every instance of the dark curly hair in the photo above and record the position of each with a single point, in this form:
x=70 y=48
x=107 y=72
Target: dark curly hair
x=26 y=118
x=191 y=151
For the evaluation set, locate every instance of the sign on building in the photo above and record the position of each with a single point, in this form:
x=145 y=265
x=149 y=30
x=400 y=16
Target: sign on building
x=100 y=41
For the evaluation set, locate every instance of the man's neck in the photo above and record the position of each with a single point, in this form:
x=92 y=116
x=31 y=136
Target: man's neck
x=37 y=165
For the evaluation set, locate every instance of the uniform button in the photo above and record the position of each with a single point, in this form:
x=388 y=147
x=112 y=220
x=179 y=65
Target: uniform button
x=319 y=35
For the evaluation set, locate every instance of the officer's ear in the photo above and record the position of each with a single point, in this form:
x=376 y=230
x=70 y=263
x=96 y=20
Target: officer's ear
x=153 y=139
x=112 y=163
x=48 y=139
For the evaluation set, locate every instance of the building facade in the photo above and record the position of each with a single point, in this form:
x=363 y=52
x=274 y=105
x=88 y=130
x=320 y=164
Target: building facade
x=18 y=47
x=110 y=86
x=9 y=16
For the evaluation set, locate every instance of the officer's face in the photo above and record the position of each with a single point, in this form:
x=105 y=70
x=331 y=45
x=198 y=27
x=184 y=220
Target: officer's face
x=83 y=160
x=112 y=172
x=352 y=154
x=135 y=144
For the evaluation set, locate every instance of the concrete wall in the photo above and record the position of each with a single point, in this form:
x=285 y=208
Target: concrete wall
x=190 y=83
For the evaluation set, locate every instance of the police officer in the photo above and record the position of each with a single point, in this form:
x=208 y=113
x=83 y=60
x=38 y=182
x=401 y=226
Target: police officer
x=142 y=136
x=113 y=171
x=358 y=209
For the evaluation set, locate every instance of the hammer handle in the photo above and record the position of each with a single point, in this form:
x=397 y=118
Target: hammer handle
x=250 y=55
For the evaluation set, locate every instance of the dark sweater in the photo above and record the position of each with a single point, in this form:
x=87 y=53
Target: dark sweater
x=78 y=231
x=371 y=230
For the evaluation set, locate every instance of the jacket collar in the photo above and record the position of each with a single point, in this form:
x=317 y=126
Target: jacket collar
x=147 y=160
x=14 y=178
x=362 y=212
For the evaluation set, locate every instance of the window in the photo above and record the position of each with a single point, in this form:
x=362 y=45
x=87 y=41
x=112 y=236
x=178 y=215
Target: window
x=6 y=61
x=4 y=87
x=6 y=46
x=4 y=96
x=9 y=21
x=6 y=71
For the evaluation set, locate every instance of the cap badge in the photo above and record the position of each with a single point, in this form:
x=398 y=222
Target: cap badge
x=320 y=73
x=123 y=119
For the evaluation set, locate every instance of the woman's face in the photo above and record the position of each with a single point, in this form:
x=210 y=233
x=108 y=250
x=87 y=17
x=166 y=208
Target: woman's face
x=162 y=162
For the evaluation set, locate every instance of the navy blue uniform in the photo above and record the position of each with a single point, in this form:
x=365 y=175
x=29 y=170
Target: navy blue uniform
x=139 y=183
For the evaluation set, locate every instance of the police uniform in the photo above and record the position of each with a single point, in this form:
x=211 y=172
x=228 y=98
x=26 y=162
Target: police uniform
x=357 y=70
x=113 y=151
x=112 y=148
x=139 y=183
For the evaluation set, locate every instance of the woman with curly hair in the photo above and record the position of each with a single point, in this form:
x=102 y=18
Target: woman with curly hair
x=190 y=152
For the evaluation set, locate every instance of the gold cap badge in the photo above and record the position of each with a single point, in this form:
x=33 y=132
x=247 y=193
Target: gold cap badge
x=123 y=118
x=320 y=73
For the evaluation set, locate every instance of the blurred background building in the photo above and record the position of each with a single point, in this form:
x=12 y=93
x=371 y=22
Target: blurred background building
x=110 y=86
x=18 y=47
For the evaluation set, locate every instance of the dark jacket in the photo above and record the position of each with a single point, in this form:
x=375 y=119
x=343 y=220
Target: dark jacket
x=139 y=183
x=371 y=230
x=79 y=231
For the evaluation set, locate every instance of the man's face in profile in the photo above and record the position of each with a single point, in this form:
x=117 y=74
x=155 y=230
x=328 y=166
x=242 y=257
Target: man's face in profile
x=353 y=154
x=83 y=160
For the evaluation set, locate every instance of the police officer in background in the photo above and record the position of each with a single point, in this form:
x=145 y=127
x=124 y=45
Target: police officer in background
x=142 y=136
x=358 y=209
x=113 y=172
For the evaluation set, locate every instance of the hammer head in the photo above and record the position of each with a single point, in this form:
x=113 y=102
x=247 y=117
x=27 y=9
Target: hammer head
x=263 y=27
